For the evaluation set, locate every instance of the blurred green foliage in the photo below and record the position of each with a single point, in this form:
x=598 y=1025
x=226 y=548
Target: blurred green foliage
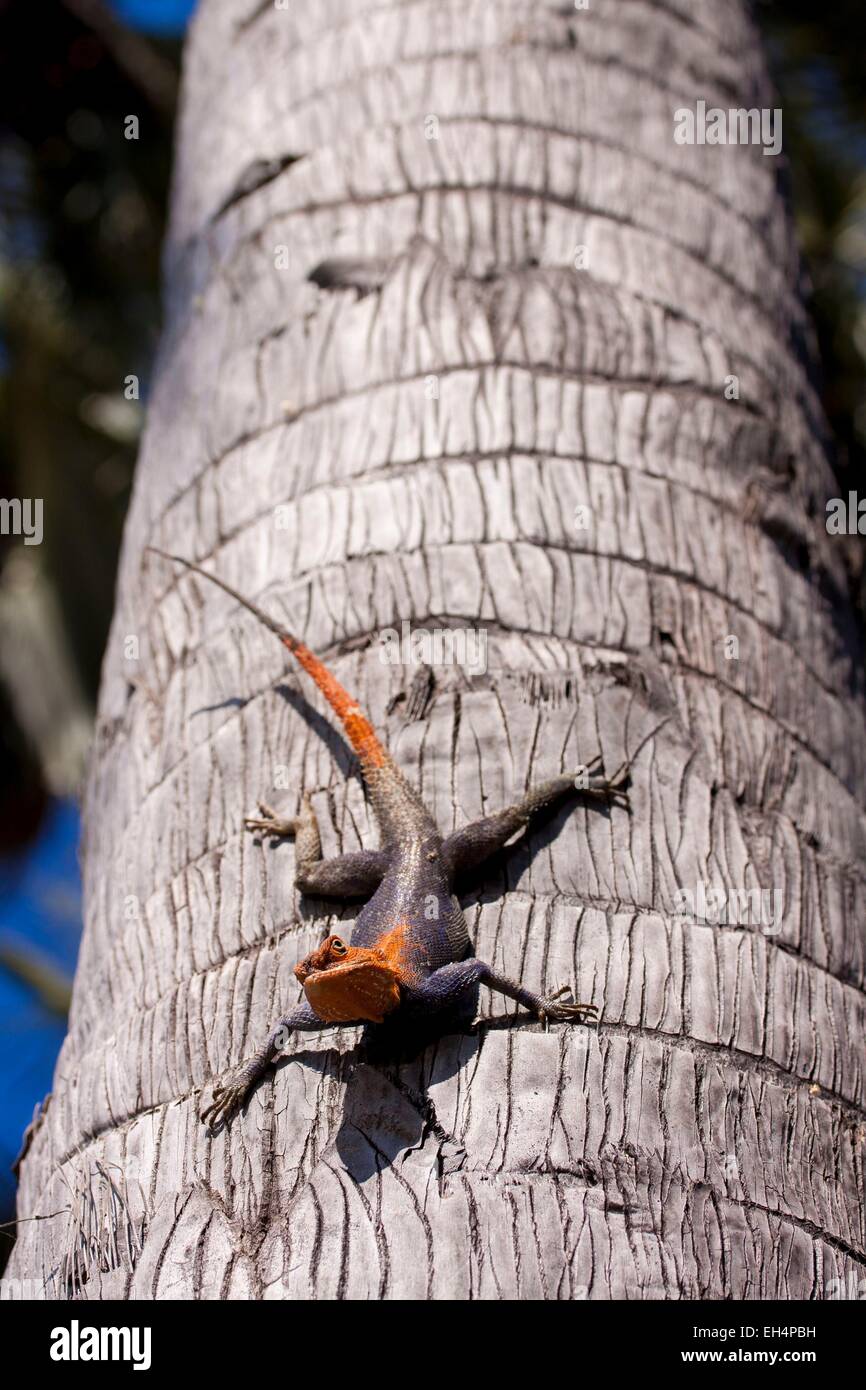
x=83 y=217
x=818 y=59
x=82 y=213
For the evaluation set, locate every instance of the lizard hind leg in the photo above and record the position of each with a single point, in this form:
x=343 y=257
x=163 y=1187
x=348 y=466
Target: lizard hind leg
x=346 y=876
x=473 y=843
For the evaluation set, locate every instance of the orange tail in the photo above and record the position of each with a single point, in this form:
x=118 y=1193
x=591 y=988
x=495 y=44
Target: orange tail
x=359 y=730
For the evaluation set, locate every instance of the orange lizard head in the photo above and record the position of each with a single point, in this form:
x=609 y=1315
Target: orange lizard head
x=346 y=984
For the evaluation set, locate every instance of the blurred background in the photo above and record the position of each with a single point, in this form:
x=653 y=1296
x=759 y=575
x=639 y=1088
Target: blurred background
x=82 y=211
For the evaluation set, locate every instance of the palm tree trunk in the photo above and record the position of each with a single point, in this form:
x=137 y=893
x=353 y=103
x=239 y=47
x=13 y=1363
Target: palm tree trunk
x=459 y=335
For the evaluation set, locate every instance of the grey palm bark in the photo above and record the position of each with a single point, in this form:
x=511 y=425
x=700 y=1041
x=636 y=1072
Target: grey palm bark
x=458 y=335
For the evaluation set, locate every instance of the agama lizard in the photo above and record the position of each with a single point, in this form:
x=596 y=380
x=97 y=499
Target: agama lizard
x=403 y=957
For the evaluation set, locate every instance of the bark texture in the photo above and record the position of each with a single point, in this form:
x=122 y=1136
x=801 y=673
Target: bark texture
x=450 y=321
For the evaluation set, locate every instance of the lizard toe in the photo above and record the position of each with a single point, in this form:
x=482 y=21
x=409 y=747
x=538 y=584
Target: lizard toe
x=554 y=1012
x=228 y=1094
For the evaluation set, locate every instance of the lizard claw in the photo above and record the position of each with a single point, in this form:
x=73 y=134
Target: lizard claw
x=591 y=781
x=269 y=823
x=612 y=790
x=228 y=1095
x=551 y=1011
x=568 y=1013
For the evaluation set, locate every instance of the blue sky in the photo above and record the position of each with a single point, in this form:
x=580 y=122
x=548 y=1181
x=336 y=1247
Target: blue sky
x=155 y=16
x=40 y=912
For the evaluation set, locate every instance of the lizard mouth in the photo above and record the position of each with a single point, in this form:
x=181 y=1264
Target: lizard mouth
x=357 y=991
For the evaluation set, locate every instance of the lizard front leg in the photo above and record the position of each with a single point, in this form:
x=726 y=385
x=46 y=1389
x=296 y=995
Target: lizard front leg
x=231 y=1089
x=346 y=876
x=444 y=988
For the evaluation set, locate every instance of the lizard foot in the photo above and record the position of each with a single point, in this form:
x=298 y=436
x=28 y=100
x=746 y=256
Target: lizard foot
x=228 y=1095
x=551 y=1011
x=592 y=782
x=269 y=823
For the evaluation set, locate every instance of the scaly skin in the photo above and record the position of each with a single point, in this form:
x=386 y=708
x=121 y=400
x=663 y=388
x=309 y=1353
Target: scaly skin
x=410 y=951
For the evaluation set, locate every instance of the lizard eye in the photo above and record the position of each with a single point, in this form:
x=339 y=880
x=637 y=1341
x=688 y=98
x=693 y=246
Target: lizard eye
x=337 y=947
